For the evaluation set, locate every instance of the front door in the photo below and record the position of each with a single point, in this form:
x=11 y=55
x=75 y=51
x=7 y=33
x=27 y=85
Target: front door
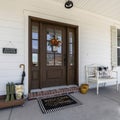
x=52 y=64
x=53 y=56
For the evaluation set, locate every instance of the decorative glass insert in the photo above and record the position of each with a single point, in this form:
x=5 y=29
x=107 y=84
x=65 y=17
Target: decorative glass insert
x=58 y=59
x=70 y=37
x=34 y=32
x=35 y=44
x=35 y=59
x=59 y=49
x=71 y=60
x=49 y=48
x=71 y=48
x=50 y=34
x=58 y=35
x=50 y=59
x=54 y=52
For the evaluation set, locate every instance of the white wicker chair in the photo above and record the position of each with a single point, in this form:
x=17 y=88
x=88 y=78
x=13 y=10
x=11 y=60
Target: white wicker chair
x=93 y=76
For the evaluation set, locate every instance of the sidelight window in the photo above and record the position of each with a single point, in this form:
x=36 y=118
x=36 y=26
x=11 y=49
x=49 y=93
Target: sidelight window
x=71 y=48
x=35 y=38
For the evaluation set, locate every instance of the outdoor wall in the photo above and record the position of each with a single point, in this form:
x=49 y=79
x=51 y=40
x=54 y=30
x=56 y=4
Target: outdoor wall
x=94 y=36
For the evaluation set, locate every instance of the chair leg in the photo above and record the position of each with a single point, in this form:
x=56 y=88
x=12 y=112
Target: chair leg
x=117 y=85
x=97 y=89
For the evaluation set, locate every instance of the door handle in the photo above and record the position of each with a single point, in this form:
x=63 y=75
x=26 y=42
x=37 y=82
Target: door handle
x=65 y=60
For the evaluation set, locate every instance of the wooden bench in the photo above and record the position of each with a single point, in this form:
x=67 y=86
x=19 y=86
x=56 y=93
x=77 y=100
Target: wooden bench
x=98 y=76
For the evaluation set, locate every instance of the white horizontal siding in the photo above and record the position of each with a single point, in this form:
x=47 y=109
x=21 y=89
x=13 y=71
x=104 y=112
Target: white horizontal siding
x=10 y=66
x=12 y=36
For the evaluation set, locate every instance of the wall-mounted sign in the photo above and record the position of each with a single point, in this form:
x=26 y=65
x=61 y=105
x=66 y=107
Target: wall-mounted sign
x=9 y=50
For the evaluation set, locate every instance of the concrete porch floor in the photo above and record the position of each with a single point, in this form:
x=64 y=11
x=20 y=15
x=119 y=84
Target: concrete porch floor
x=94 y=108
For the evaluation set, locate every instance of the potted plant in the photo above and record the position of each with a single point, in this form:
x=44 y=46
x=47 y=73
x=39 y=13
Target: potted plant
x=84 y=88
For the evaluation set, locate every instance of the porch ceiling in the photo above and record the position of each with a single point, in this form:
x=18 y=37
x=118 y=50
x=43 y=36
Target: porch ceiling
x=107 y=8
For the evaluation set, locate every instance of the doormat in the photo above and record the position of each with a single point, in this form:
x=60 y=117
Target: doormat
x=57 y=103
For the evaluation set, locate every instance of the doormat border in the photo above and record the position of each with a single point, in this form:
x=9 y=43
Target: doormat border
x=44 y=111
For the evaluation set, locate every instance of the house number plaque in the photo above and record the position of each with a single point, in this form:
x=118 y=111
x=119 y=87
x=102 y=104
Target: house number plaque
x=9 y=51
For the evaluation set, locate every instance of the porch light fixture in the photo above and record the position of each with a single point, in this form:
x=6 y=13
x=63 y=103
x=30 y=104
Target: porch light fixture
x=68 y=4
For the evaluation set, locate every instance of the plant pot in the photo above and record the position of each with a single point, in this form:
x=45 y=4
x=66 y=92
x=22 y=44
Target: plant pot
x=84 y=88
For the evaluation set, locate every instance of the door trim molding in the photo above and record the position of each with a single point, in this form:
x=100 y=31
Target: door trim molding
x=30 y=19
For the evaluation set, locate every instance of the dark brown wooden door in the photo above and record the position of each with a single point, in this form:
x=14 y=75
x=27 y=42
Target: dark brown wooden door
x=54 y=57
x=50 y=65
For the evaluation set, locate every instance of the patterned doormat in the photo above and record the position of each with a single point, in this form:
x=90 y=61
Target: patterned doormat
x=56 y=103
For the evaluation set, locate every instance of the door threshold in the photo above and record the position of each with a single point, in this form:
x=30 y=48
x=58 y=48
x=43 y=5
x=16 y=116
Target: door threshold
x=52 y=88
x=52 y=91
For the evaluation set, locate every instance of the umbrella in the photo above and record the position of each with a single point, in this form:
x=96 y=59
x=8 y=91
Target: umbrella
x=23 y=73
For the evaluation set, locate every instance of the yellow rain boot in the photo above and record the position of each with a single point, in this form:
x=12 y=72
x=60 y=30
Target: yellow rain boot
x=12 y=91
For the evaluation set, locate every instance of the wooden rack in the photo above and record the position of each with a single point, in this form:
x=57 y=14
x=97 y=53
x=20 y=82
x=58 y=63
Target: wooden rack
x=8 y=104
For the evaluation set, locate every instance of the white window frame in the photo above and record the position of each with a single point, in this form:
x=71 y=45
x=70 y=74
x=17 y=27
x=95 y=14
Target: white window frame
x=118 y=47
x=114 y=46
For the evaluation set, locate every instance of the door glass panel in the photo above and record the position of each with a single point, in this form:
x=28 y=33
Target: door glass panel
x=35 y=31
x=35 y=59
x=71 y=60
x=35 y=45
x=50 y=59
x=54 y=53
x=59 y=49
x=70 y=37
x=71 y=48
x=58 y=54
x=50 y=34
x=58 y=59
x=49 y=48
x=35 y=38
x=58 y=35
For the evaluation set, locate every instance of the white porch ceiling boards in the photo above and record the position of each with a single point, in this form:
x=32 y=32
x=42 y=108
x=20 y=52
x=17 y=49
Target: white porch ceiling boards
x=107 y=8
